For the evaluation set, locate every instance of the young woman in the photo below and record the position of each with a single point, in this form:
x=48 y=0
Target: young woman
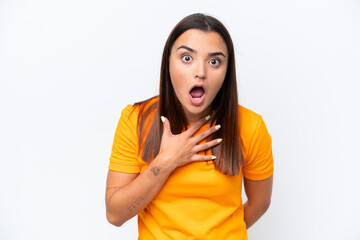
x=179 y=159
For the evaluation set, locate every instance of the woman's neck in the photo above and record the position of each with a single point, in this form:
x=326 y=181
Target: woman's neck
x=193 y=118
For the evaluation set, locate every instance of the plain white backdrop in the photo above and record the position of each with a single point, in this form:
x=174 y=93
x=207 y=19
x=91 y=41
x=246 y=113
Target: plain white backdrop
x=68 y=68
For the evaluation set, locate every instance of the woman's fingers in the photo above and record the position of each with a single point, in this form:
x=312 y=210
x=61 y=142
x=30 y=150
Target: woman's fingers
x=166 y=124
x=199 y=158
x=207 y=145
x=194 y=128
x=183 y=148
x=204 y=134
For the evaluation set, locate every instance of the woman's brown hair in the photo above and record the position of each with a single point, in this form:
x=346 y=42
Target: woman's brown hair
x=225 y=105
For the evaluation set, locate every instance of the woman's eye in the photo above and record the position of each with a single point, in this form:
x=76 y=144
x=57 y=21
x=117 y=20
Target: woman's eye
x=215 y=62
x=186 y=58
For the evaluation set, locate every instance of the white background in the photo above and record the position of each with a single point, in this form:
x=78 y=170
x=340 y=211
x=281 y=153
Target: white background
x=68 y=68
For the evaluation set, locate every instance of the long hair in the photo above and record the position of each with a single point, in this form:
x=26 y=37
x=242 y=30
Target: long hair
x=225 y=104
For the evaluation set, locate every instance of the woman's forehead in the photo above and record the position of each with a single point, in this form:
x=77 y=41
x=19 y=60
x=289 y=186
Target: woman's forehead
x=200 y=40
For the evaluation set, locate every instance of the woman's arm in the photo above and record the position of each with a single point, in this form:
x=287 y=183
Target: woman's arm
x=259 y=198
x=127 y=194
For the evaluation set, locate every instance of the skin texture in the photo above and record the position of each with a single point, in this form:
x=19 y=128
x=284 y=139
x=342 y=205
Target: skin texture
x=203 y=65
x=197 y=58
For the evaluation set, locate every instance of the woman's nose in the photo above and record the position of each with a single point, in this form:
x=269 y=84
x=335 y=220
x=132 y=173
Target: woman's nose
x=200 y=70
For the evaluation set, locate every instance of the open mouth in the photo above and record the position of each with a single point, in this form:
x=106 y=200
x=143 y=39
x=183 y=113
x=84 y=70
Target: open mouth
x=197 y=95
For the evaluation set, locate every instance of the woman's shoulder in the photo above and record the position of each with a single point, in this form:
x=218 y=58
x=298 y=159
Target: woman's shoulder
x=132 y=111
x=249 y=121
x=248 y=116
x=147 y=103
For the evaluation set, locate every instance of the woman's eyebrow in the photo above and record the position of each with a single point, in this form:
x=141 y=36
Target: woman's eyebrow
x=187 y=48
x=194 y=51
x=217 y=53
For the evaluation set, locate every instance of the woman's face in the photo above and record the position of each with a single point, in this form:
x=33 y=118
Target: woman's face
x=198 y=64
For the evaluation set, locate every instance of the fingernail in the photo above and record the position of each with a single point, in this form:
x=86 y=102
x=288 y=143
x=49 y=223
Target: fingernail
x=219 y=140
x=213 y=157
x=207 y=117
x=217 y=127
x=162 y=118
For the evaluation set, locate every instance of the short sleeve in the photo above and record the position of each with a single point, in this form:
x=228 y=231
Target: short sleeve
x=124 y=152
x=259 y=163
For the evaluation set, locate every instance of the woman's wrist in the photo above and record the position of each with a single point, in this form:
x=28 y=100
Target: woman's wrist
x=164 y=164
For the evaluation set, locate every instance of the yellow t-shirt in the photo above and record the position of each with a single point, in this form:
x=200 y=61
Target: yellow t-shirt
x=197 y=201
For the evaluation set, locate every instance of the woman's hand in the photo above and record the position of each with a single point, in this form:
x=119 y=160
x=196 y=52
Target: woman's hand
x=182 y=149
x=128 y=193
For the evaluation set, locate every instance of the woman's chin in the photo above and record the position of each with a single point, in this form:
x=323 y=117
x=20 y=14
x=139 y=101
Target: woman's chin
x=196 y=112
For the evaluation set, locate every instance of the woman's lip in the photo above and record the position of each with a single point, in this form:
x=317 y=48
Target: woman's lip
x=197 y=85
x=197 y=101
